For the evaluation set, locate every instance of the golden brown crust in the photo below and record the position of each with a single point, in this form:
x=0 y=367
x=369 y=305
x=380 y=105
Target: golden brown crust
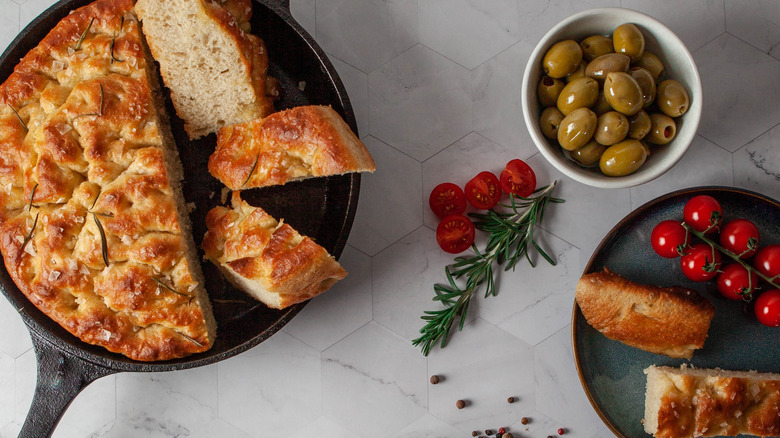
x=701 y=402
x=88 y=155
x=276 y=264
x=302 y=142
x=673 y=321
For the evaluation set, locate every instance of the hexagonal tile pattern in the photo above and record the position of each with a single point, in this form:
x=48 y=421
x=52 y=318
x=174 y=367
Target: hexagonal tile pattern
x=366 y=33
x=343 y=309
x=482 y=366
x=368 y=393
x=714 y=167
x=498 y=113
x=469 y=32
x=356 y=83
x=17 y=339
x=696 y=23
x=7 y=401
x=168 y=400
x=397 y=180
x=9 y=22
x=756 y=22
x=31 y=9
x=459 y=159
x=427 y=426
x=537 y=424
x=403 y=279
x=420 y=102
x=324 y=427
x=559 y=393
x=537 y=18
x=757 y=165
x=737 y=111
x=25 y=372
x=256 y=393
x=304 y=12
x=94 y=407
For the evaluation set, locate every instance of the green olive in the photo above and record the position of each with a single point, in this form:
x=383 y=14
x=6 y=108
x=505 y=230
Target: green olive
x=639 y=125
x=562 y=58
x=628 y=40
x=589 y=154
x=595 y=46
x=577 y=129
x=549 y=122
x=623 y=158
x=548 y=90
x=605 y=64
x=576 y=74
x=646 y=82
x=601 y=106
x=578 y=93
x=611 y=128
x=662 y=129
x=623 y=93
x=652 y=63
x=672 y=98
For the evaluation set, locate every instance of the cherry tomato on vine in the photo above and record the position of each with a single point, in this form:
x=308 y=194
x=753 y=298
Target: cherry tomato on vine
x=700 y=262
x=767 y=261
x=455 y=233
x=703 y=212
x=666 y=237
x=518 y=179
x=483 y=191
x=736 y=283
x=740 y=236
x=767 y=308
x=446 y=199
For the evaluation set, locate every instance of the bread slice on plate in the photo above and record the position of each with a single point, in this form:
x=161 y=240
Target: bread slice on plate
x=692 y=402
x=298 y=143
x=214 y=68
x=93 y=224
x=267 y=259
x=673 y=321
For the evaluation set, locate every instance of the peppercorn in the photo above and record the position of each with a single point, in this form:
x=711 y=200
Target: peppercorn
x=507 y=435
x=524 y=420
x=510 y=400
x=474 y=433
x=460 y=404
x=560 y=431
x=501 y=430
x=434 y=379
x=488 y=432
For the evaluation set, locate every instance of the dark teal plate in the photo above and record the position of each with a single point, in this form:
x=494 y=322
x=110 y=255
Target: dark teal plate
x=611 y=372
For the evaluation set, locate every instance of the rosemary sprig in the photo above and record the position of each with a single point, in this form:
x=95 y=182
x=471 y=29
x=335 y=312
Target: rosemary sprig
x=113 y=41
x=170 y=289
x=509 y=237
x=97 y=114
x=30 y=234
x=251 y=171
x=18 y=117
x=30 y=205
x=103 y=240
x=84 y=34
x=190 y=339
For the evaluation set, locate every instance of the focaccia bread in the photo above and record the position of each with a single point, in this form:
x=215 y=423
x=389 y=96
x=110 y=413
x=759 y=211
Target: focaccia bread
x=673 y=321
x=265 y=258
x=687 y=402
x=93 y=227
x=214 y=68
x=298 y=143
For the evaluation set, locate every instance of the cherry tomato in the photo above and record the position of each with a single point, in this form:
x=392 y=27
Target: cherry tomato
x=518 y=179
x=703 y=212
x=483 y=191
x=767 y=261
x=767 y=308
x=446 y=199
x=455 y=233
x=736 y=283
x=697 y=263
x=666 y=237
x=740 y=236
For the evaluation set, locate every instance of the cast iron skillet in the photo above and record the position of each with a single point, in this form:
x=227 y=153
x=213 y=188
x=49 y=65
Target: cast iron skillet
x=322 y=208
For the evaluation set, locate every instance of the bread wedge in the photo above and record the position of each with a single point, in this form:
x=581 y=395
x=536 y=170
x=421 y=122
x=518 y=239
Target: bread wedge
x=298 y=143
x=693 y=402
x=267 y=259
x=214 y=68
x=673 y=321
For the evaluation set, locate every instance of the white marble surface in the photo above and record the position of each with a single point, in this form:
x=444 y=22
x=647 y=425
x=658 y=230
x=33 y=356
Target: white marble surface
x=435 y=86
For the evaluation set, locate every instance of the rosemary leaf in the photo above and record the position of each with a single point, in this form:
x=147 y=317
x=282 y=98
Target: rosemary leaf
x=84 y=35
x=113 y=41
x=30 y=234
x=97 y=114
x=170 y=289
x=190 y=339
x=251 y=171
x=18 y=117
x=510 y=235
x=32 y=195
x=103 y=240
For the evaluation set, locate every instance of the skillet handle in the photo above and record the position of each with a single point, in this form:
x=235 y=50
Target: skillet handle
x=60 y=379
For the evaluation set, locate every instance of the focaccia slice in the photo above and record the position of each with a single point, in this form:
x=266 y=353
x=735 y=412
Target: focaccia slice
x=267 y=259
x=298 y=143
x=93 y=225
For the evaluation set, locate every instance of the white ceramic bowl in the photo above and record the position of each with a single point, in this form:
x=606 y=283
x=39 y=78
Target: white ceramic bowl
x=678 y=63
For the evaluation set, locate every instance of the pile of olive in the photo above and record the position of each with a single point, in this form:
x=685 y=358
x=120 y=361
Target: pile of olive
x=605 y=99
